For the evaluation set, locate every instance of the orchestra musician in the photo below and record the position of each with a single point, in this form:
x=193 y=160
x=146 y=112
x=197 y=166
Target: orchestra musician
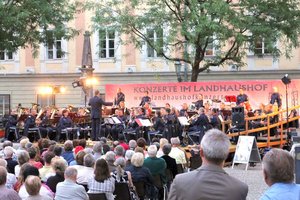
x=45 y=126
x=276 y=98
x=199 y=103
x=183 y=111
x=29 y=122
x=96 y=114
x=11 y=122
x=145 y=99
x=158 y=122
x=64 y=122
x=241 y=98
x=116 y=129
x=200 y=123
x=120 y=97
x=214 y=119
x=122 y=106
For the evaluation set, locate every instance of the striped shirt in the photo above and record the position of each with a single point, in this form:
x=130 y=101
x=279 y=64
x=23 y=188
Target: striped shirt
x=107 y=187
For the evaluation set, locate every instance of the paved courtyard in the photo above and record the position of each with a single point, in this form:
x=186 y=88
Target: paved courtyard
x=253 y=177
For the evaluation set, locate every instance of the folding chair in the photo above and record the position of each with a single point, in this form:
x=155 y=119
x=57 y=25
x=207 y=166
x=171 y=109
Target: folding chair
x=97 y=196
x=122 y=191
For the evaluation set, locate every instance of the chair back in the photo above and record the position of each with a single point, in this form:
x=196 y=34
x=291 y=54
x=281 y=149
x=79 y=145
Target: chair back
x=179 y=169
x=169 y=175
x=195 y=161
x=157 y=181
x=97 y=196
x=122 y=191
x=140 y=189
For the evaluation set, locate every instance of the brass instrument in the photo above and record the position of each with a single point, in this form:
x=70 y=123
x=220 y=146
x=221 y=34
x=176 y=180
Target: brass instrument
x=192 y=118
x=38 y=120
x=53 y=111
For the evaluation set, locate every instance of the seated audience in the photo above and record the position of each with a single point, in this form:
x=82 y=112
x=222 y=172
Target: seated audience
x=278 y=170
x=85 y=171
x=47 y=170
x=59 y=167
x=11 y=179
x=5 y=192
x=128 y=156
x=110 y=158
x=8 y=155
x=23 y=157
x=69 y=189
x=162 y=143
x=33 y=185
x=178 y=154
x=119 y=151
x=210 y=181
x=102 y=182
x=171 y=162
x=68 y=151
x=30 y=170
x=77 y=150
x=32 y=151
x=97 y=150
x=120 y=175
x=132 y=144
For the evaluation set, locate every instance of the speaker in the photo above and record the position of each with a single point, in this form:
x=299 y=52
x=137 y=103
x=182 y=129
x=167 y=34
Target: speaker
x=238 y=117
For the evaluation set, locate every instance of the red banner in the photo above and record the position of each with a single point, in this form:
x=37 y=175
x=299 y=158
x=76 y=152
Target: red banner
x=178 y=93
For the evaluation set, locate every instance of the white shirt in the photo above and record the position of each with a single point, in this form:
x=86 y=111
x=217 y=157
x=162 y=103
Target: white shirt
x=43 y=191
x=84 y=173
x=178 y=155
x=10 y=181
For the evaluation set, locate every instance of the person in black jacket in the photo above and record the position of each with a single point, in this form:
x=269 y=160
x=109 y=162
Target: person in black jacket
x=120 y=97
x=11 y=122
x=96 y=113
x=145 y=99
x=29 y=122
x=171 y=170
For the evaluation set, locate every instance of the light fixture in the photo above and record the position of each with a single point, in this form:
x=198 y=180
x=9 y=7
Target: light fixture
x=178 y=70
x=286 y=79
x=91 y=81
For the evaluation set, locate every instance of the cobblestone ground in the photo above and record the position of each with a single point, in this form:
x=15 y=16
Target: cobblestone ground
x=253 y=177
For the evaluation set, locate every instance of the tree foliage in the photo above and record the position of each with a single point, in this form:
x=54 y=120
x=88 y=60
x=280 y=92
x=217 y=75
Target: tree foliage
x=193 y=26
x=31 y=22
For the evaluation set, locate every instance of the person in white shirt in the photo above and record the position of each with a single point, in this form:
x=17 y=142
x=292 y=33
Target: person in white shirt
x=86 y=171
x=177 y=153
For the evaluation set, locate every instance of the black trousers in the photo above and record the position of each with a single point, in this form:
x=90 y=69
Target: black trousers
x=95 y=128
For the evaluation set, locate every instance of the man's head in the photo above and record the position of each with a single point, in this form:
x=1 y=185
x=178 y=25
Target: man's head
x=110 y=157
x=214 y=147
x=278 y=167
x=68 y=145
x=275 y=89
x=3 y=163
x=241 y=91
x=200 y=97
x=48 y=157
x=33 y=185
x=71 y=174
x=97 y=93
x=3 y=174
x=175 y=141
x=8 y=152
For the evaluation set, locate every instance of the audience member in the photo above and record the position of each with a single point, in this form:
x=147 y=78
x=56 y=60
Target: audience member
x=210 y=181
x=69 y=189
x=68 y=151
x=132 y=144
x=278 y=170
x=11 y=179
x=11 y=163
x=119 y=151
x=23 y=157
x=30 y=170
x=85 y=171
x=157 y=166
x=6 y=194
x=102 y=182
x=178 y=154
x=97 y=150
x=32 y=151
x=120 y=175
x=79 y=154
x=110 y=158
x=171 y=162
x=23 y=143
x=122 y=143
x=47 y=170
x=162 y=142
x=33 y=185
x=59 y=167
x=128 y=156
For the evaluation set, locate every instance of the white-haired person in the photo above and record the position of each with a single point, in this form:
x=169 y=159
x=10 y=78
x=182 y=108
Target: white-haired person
x=11 y=179
x=23 y=157
x=178 y=154
x=5 y=192
x=278 y=170
x=162 y=142
x=120 y=175
x=8 y=155
x=69 y=189
x=210 y=181
x=59 y=166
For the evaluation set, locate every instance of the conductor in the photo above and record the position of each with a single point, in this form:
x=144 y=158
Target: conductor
x=96 y=113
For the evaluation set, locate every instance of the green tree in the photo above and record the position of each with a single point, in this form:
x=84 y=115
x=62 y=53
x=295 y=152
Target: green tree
x=196 y=27
x=31 y=22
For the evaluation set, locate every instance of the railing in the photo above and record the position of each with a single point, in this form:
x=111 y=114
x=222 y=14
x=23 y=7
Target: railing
x=268 y=126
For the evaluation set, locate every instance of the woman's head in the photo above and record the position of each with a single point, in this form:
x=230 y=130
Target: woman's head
x=101 y=170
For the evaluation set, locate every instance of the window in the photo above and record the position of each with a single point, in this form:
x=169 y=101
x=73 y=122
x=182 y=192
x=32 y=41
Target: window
x=261 y=47
x=54 y=49
x=46 y=100
x=4 y=105
x=156 y=39
x=6 y=55
x=106 y=44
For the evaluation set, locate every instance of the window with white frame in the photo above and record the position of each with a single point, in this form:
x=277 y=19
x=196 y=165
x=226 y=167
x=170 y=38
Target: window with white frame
x=4 y=105
x=155 y=37
x=54 y=49
x=107 y=44
x=45 y=100
x=6 y=55
x=261 y=47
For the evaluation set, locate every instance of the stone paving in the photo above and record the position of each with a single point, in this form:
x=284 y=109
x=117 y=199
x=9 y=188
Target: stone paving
x=253 y=177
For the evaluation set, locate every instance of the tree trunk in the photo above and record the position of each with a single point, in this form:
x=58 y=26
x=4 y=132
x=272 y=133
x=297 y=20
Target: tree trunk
x=195 y=73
